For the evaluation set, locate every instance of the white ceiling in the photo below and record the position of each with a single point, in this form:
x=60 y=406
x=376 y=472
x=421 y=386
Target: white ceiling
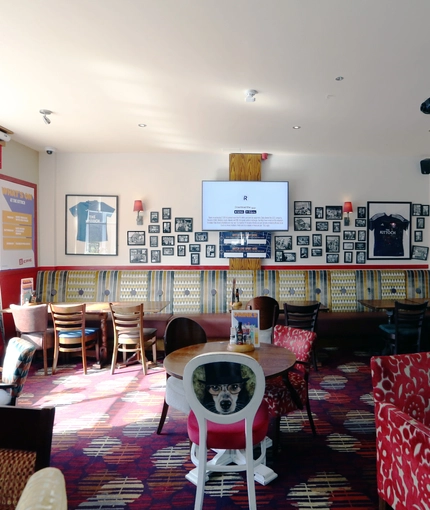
x=182 y=66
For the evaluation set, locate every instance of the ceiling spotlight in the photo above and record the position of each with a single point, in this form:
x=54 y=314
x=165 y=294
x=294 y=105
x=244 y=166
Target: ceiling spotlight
x=249 y=95
x=339 y=78
x=45 y=113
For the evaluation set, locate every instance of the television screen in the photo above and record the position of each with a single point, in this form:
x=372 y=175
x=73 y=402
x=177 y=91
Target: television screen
x=245 y=205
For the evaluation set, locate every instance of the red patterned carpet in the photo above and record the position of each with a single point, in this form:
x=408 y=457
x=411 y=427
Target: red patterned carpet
x=105 y=442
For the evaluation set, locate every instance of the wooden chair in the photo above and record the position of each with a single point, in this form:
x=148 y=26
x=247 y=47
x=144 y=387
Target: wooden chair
x=180 y=332
x=31 y=323
x=129 y=334
x=25 y=447
x=269 y=313
x=303 y=317
x=70 y=333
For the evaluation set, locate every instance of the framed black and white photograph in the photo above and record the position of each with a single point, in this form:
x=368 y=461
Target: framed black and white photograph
x=138 y=255
x=420 y=223
x=360 y=246
x=349 y=235
x=425 y=210
x=319 y=213
x=336 y=226
x=182 y=249
x=361 y=212
x=195 y=259
x=153 y=241
x=348 y=245
x=91 y=225
x=316 y=239
x=155 y=256
x=283 y=242
x=285 y=256
x=316 y=252
x=304 y=252
x=166 y=213
x=332 y=258
x=183 y=224
x=167 y=240
x=302 y=208
x=420 y=252
x=360 y=223
x=302 y=224
x=360 y=257
x=332 y=244
x=153 y=217
x=418 y=236
x=167 y=227
x=154 y=229
x=416 y=209
x=194 y=248
x=136 y=238
x=347 y=257
x=183 y=238
x=321 y=226
x=333 y=212
x=302 y=240
x=389 y=230
x=168 y=251
x=210 y=251
x=362 y=235
x=200 y=237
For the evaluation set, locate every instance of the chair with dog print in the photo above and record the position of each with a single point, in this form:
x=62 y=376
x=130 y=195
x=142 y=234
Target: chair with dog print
x=225 y=392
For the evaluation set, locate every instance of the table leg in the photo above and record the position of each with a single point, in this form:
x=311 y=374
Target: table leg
x=103 y=348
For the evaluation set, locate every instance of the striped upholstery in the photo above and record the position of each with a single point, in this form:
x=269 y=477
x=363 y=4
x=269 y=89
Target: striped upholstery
x=343 y=291
x=214 y=294
x=16 y=364
x=417 y=283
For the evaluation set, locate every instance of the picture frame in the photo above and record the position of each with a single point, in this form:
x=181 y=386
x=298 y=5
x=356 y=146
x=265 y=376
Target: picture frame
x=138 y=255
x=167 y=240
x=91 y=225
x=348 y=245
x=153 y=229
x=316 y=252
x=167 y=227
x=155 y=256
x=153 y=217
x=349 y=235
x=302 y=223
x=360 y=223
x=360 y=257
x=420 y=223
x=166 y=213
x=361 y=212
x=302 y=240
x=195 y=259
x=200 y=237
x=136 y=238
x=302 y=208
x=333 y=212
x=347 y=257
x=283 y=242
x=389 y=230
x=183 y=224
x=210 y=251
x=316 y=239
x=336 y=226
x=183 y=238
x=285 y=256
x=321 y=226
x=181 y=250
x=332 y=258
x=420 y=252
x=362 y=235
x=360 y=246
x=153 y=241
x=418 y=236
x=168 y=251
x=332 y=244
x=304 y=252
x=425 y=210
x=194 y=248
x=319 y=213
x=416 y=209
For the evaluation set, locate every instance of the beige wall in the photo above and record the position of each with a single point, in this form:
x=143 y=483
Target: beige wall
x=20 y=162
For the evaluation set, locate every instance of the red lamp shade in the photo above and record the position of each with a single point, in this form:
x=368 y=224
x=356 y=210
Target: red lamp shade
x=138 y=206
x=347 y=207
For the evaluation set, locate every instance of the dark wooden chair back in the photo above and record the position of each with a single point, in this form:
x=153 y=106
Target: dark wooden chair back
x=302 y=317
x=269 y=310
x=182 y=332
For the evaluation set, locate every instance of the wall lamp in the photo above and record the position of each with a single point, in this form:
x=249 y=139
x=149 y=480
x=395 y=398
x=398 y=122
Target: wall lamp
x=138 y=207
x=347 y=208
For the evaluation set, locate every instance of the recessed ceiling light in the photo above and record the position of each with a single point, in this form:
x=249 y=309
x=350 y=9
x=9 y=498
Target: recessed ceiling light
x=142 y=125
x=297 y=127
x=339 y=78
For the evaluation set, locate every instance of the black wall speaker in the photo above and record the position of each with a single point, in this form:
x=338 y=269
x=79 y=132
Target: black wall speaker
x=425 y=166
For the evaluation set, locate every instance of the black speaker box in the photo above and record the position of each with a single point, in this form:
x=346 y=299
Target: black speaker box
x=425 y=166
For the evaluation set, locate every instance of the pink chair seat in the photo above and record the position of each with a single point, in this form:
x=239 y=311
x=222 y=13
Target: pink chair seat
x=231 y=436
x=278 y=396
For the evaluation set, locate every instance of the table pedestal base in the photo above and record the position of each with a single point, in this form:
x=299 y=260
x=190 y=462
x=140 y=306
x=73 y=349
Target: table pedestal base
x=262 y=474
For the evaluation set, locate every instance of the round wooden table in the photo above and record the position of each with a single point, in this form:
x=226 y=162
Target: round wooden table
x=274 y=360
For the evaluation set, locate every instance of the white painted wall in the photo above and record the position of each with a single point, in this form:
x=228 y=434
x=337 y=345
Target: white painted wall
x=174 y=180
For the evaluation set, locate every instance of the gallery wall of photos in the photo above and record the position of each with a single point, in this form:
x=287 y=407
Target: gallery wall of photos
x=376 y=231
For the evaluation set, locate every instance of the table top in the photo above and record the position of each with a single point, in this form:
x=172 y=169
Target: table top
x=103 y=307
x=388 y=304
x=274 y=360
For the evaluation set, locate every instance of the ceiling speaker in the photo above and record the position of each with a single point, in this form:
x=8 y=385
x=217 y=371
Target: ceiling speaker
x=425 y=166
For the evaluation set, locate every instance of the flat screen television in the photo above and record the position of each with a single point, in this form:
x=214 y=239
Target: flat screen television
x=245 y=205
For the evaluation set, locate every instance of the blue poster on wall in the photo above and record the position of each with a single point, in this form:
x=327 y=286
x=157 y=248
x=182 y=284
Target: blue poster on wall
x=245 y=245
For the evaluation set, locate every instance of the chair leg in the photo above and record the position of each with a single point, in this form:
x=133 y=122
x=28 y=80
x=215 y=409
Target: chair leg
x=162 y=417
x=383 y=505
x=143 y=357
x=311 y=420
x=314 y=359
x=154 y=352
x=45 y=357
x=114 y=356
x=276 y=436
x=55 y=359
x=84 y=356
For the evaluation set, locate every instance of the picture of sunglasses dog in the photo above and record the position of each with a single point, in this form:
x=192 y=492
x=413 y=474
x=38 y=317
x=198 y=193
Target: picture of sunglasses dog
x=226 y=388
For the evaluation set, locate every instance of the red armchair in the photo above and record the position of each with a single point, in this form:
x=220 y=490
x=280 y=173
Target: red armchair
x=401 y=390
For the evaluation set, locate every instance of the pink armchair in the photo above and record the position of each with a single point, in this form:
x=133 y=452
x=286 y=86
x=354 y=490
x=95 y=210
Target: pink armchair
x=401 y=390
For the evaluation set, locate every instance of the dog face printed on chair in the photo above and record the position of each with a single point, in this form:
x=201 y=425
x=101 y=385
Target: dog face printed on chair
x=224 y=389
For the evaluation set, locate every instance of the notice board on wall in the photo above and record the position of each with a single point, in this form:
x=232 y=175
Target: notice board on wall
x=18 y=223
x=245 y=245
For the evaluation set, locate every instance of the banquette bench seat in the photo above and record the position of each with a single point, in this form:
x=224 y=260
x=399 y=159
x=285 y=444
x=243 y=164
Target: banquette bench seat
x=205 y=295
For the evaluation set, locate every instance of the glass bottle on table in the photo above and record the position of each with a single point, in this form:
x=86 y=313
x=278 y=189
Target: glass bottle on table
x=239 y=334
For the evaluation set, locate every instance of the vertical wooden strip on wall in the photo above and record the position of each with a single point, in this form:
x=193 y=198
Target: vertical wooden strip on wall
x=245 y=167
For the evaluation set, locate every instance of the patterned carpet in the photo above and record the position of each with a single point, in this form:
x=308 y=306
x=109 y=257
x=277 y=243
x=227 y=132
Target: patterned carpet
x=106 y=444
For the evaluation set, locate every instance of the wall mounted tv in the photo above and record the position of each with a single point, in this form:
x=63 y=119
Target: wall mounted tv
x=245 y=205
